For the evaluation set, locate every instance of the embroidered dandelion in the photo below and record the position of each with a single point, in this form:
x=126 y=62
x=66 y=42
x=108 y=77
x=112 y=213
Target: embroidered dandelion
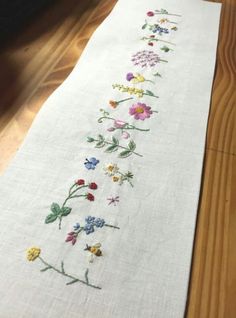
x=33 y=253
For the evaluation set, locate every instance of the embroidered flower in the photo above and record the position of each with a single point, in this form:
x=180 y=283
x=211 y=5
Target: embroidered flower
x=116 y=178
x=99 y=222
x=129 y=90
x=119 y=123
x=145 y=58
x=90 y=219
x=111 y=169
x=93 y=186
x=136 y=78
x=114 y=103
x=113 y=200
x=150 y=13
x=33 y=253
x=71 y=237
x=91 y=163
x=80 y=182
x=89 y=228
x=140 y=111
x=129 y=76
x=76 y=226
x=90 y=197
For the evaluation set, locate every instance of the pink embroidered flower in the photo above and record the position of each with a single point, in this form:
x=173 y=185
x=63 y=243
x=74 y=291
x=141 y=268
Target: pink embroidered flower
x=125 y=135
x=140 y=111
x=119 y=123
x=150 y=13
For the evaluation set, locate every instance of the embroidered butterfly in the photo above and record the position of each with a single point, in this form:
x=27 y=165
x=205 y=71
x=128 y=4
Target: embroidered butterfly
x=91 y=163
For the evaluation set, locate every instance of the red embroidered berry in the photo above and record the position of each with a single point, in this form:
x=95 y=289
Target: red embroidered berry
x=93 y=186
x=80 y=182
x=90 y=197
x=152 y=36
x=150 y=13
x=150 y=43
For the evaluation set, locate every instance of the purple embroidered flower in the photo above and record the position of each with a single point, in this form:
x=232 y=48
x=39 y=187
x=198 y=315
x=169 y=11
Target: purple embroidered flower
x=99 y=222
x=140 y=111
x=130 y=76
x=145 y=58
x=89 y=228
x=71 y=237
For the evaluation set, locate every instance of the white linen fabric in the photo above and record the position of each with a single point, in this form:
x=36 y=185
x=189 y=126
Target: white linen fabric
x=144 y=270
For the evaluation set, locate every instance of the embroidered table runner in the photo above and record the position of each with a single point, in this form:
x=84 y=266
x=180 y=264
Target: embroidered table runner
x=98 y=208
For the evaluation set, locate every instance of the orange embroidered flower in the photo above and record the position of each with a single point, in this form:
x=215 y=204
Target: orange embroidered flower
x=113 y=103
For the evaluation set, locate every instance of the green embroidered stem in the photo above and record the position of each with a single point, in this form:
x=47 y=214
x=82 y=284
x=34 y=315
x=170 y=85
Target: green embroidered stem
x=62 y=272
x=126 y=177
x=124 y=100
x=157 y=40
x=115 y=227
x=114 y=146
x=163 y=11
x=150 y=81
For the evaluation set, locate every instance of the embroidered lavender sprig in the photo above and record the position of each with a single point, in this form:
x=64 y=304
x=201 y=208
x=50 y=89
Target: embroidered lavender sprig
x=33 y=253
x=91 y=223
x=114 y=145
x=113 y=171
x=134 y=91
x=58 y=212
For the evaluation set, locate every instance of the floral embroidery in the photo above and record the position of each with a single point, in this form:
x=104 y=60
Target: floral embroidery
x=113 y=200
x=114 y=103
x=152 y=38
x=94 y=251
x=114 y=145
x=133 y=91
x=166 y=48
x=137 y=78
x=155 y=28
x=91 y=163
x=118 y=124
x=113 y=171
x=164 y=20
x=90 y=224
x=162 y=11
x=58 y=212
x=146 y=59
x=34 y=252
x=141 y=111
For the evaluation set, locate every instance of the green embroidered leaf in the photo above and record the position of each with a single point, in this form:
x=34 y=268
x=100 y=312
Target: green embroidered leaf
x=112 y=148
x=144 y=26
x=149 y=92
x=101 y=138
x=132 y=145
x=51 y=218
x=90 y=139
x=65 y=211
x=115 y=141
x=55 y=208
x=100 y=144
x=125 y=154
x=157 y=74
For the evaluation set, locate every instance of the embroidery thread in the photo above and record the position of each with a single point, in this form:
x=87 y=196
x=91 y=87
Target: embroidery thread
x=58 y=212
x=113 y=145
x=33 y=253
x=113 y=171
x=134 y=91
x=90 y=224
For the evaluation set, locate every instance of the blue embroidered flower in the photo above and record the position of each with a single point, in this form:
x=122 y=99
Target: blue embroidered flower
x=159 y=29
x=99 y=222
x=91 y=163
x=76 y=226
x=89 y=228
x=90 y=220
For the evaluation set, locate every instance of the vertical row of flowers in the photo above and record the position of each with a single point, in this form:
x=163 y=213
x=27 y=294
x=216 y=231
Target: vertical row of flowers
x=159 y=24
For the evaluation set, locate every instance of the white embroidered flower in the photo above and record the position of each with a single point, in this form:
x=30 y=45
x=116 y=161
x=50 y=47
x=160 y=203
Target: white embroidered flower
x=111 y=169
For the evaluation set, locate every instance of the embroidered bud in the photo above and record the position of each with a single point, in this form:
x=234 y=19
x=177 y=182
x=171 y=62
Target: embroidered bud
x=80 y=182
x=111 y=129
x=150 y=13
x=93 y=186
x=125 y=135
x=119 y=123
x=89 y=197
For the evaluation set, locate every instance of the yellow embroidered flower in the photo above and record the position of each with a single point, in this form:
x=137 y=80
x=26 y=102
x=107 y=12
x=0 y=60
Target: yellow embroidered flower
x=33 y=253
x=130 y=90
x=138 y=79
x=115 y=178
x=111 y=169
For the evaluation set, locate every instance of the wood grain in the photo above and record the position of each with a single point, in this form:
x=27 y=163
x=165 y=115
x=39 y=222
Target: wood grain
x=39 y=61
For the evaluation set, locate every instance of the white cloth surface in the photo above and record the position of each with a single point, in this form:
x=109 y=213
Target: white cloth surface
x=144 y=271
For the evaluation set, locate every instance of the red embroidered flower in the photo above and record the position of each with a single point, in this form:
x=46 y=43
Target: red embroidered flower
x=93 y=186
x=80 y=182
x=150 y=13
x=150 y=43
x=90 y=197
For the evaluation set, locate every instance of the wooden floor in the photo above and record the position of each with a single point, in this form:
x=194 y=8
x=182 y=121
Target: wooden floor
x=38 y=60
